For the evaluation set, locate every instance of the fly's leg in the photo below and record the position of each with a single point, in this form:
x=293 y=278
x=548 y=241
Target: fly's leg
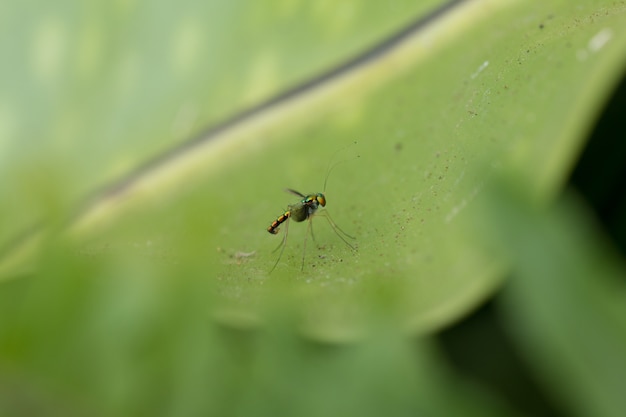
x=338 y=230
x=309 y=229
x=282 y=245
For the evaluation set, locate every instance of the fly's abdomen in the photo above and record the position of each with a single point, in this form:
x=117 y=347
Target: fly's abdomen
x=273 y=228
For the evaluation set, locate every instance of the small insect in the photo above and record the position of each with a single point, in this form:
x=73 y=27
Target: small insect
x=303 y=210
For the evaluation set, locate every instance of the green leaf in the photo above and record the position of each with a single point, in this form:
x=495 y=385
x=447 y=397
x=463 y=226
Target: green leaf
x=145 y=150
x=470 y=87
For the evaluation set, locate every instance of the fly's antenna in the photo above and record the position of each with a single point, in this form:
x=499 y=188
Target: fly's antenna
x=332 y=166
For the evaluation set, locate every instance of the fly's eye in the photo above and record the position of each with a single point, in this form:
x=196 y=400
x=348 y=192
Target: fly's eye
x=321 y=199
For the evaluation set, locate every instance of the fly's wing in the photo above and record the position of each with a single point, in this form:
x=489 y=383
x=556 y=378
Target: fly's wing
x=294 y=192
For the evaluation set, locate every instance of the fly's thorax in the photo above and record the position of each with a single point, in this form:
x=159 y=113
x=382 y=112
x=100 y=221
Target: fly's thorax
x=305 y=208
x=299 y=211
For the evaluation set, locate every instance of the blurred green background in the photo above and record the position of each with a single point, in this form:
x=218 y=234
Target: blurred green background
x=479 y=160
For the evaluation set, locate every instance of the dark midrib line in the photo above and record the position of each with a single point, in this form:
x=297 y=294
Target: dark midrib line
x=207 y=134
